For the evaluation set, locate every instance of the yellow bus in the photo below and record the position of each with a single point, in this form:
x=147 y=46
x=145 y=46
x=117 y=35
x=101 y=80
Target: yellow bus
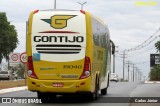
x=68 y=52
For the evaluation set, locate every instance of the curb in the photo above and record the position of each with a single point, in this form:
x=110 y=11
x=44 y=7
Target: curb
x=12 y=89
x=152 y=82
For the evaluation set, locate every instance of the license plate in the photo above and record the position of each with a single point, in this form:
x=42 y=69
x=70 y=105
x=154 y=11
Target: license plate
x=57 y=84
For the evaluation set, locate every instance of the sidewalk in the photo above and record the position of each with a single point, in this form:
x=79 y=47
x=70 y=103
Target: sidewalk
x=12 y=89
x=151 y=82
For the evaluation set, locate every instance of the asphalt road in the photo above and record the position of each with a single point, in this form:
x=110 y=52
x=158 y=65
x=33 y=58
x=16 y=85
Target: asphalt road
x=120 y=90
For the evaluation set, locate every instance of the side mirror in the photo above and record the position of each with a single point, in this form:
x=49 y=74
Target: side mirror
x=113 y=50
x=113 y=47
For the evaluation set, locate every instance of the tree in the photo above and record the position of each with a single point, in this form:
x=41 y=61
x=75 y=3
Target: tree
x=8 y=37
x=155 y=73
x=157 y=45
x=21 y=70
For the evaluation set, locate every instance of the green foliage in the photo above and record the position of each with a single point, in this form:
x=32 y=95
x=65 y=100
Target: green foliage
x=21 y=70
x=157 y=45
x=155 y=73
x=8 y=37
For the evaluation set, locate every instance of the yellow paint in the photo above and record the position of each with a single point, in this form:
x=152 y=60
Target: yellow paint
x=60 y=21
x=28 y=40
x=95 y=53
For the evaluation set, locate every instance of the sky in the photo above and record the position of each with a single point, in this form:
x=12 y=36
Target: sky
x=129 y=24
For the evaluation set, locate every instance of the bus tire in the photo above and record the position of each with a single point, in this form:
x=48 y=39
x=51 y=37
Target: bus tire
x=96 y=91
x=52 y=97
x=43 y=96
x=108 y=82
x=94 y=96
x=104 y=91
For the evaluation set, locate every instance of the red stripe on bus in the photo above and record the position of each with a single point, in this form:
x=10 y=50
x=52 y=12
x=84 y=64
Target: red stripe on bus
x=59 y=32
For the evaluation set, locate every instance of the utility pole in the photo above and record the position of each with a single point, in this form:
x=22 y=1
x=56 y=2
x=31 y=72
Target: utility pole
x=144 y=77
x=131 y=75
x=128 y=62
x=124 y=56
x=140 y=75
x=114 y=65
x=54 y=4
x=136 y=70
x=133 y=72
x=128 y=71
x=81 y=4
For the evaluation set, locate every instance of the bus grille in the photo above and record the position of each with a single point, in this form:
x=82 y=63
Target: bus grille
x=58 y=49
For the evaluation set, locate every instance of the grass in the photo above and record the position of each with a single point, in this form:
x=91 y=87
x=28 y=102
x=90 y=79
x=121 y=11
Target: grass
x=11 y=84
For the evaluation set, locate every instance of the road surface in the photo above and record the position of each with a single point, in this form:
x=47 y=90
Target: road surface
x=120 y=90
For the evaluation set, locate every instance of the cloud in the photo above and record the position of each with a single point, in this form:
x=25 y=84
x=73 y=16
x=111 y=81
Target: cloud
x=21 y=28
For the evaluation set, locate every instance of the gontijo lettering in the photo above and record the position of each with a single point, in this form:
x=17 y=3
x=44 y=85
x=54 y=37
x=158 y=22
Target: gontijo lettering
x=78 y=39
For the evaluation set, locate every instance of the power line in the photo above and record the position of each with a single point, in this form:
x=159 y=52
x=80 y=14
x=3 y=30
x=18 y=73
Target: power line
x=140 y=53
x=145 y=43
x=143 y=62
x=119 y=58
x=140 y=47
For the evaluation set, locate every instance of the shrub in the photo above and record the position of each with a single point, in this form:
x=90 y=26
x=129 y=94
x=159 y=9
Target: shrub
x=155 y=73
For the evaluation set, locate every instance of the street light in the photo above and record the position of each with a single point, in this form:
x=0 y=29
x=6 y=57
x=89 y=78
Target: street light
x=81 y=4
x=54 y=4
